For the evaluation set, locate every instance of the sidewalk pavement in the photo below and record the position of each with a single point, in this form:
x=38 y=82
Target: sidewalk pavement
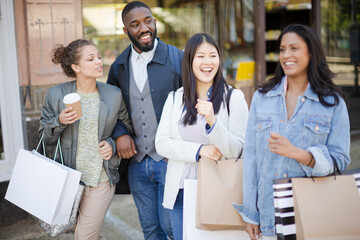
x=121 y=222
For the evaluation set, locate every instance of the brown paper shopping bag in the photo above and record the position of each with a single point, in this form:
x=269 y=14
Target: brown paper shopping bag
x=326 y=208
x=219 y=186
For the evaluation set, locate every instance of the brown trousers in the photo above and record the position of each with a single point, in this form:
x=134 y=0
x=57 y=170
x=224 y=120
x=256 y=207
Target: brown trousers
x=93 y=207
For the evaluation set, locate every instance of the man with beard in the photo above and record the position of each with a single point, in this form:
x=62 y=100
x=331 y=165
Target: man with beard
x=145 y=72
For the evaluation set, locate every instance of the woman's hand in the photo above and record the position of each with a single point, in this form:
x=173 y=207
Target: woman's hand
x=281 y=145
x=253 y=231
x=67 y=116
x=210 y=151
x=206 y=108
x=105 y=150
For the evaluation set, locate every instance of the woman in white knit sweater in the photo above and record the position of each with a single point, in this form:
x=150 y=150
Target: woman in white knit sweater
x=204 y=118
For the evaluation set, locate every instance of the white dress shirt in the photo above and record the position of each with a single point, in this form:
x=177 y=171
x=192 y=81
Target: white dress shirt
x=139 y=65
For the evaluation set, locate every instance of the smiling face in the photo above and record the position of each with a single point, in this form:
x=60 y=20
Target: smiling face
x=140 y=26
x=90 y=64
x=205 y=64
x=294 y=55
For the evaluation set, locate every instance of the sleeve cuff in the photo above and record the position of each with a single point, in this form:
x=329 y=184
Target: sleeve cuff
x=120 y=129
x=247 y=214
x=322 y=166
x=208 y=129
x=198 y=154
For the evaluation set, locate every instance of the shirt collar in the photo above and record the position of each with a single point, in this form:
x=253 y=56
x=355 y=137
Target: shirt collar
x=208 y=93
x=282 y=88
x=146 y=55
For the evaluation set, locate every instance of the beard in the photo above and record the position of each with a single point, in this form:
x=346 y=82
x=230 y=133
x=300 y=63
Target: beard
x=142 y=47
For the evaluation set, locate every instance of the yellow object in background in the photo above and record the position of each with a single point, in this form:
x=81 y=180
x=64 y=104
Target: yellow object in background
x=245 y=71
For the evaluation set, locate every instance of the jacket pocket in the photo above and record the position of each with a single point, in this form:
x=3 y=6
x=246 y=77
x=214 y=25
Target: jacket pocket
x=262 y=128
x=114 y=163
x=315 y=131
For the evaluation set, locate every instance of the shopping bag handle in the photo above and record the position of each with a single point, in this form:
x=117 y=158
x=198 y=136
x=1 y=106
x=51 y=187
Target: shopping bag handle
x=58 y=148
x=336 y=171
x=240 y=154
x=43 y=145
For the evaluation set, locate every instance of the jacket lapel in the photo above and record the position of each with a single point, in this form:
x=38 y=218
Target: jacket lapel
x=103 y=114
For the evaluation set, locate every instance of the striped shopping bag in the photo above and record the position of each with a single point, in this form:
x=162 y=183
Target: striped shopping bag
x=284 y=205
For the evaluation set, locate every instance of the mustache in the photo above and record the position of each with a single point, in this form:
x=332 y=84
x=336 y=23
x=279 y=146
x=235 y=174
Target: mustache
x=141 y=34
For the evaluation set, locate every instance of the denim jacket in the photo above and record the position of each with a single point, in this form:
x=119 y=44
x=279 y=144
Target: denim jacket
x=323 y=131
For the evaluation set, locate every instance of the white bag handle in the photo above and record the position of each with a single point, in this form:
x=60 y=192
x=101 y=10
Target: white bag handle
x=58 y=148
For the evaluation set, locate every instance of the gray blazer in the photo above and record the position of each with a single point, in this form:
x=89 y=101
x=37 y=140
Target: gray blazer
x=111 y=109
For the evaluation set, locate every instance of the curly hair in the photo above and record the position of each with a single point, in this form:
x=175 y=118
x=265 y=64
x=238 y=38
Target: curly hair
x=66 y=56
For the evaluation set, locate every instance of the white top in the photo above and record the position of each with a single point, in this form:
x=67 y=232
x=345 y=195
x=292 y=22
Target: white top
x=228 y=135
x=139 y=64
x=192 y=133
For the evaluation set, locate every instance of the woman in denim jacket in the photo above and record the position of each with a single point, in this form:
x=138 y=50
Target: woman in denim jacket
x=298 y=126
x=86 y=144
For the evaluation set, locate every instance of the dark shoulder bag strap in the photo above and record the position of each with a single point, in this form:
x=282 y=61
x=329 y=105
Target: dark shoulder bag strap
x=228 y=96
x=174 y=58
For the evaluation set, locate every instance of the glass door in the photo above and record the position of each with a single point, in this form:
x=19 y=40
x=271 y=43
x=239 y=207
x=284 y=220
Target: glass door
x=2 y=155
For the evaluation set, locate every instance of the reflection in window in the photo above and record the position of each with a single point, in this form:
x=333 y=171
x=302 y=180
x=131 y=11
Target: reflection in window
x=230 y=22
x=335 y=22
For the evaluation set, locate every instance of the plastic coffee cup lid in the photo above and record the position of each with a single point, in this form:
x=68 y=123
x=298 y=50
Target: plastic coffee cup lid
x=71 y=98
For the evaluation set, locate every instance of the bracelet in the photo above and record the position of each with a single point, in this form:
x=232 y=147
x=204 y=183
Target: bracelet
x=312 y=158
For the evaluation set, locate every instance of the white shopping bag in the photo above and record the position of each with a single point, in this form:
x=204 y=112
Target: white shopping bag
x=68 y=194
x=190 y=232
x=41 y=186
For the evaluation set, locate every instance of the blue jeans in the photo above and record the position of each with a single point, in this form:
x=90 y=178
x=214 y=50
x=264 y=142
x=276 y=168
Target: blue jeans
x=146 y=182
x=176 y=216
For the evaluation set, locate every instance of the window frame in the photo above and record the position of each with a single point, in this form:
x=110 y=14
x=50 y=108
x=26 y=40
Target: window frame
x=10 y=104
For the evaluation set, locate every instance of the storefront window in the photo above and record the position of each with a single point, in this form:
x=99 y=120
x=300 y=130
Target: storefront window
x=336 y=20
x=230 y=22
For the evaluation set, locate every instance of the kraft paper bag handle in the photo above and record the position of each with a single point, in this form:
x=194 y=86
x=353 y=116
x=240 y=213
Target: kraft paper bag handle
x=240 y=154
x=58 y=148
x=336 y=171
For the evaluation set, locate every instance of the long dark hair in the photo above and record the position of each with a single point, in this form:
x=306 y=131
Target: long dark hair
x=189 y=81
x=319 y=74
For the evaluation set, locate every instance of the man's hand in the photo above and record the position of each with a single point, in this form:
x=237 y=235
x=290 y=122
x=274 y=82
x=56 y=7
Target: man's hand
x=125 y=146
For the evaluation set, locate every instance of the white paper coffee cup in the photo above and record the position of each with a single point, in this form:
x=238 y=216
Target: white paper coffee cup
x=73 y=100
